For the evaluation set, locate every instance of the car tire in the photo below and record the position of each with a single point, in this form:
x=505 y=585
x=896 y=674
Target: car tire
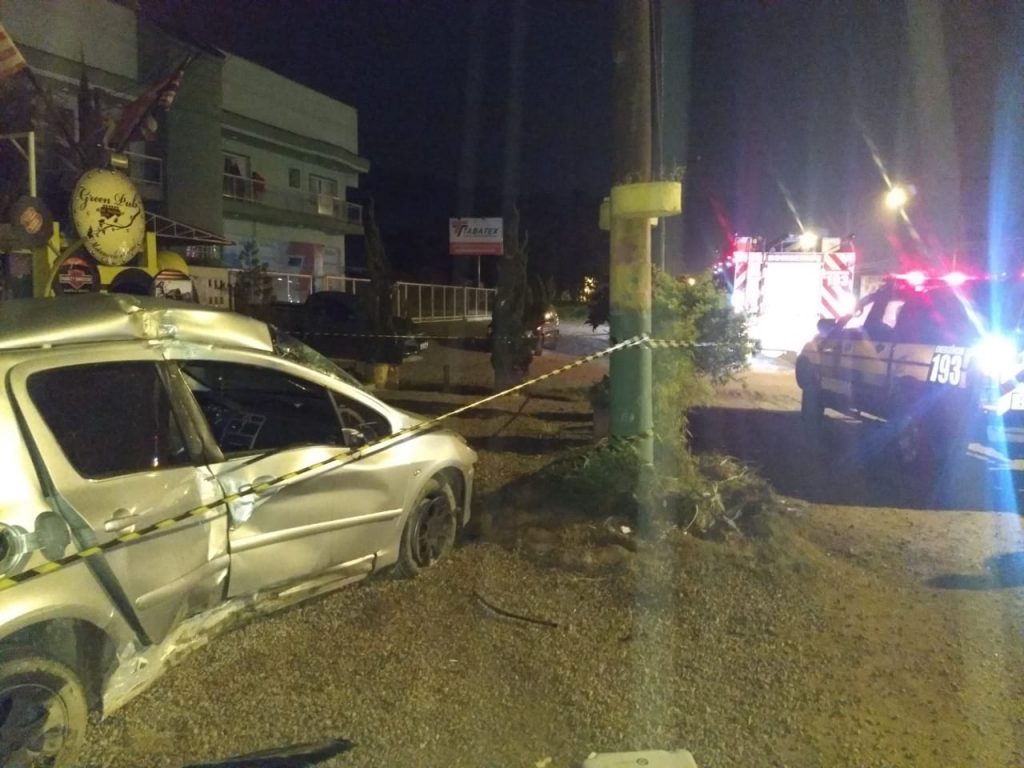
x=911 y=441
x=429 y=533
x=812 y=411
x=44 y=711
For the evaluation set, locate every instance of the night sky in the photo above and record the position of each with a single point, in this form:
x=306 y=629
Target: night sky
x=790 y=112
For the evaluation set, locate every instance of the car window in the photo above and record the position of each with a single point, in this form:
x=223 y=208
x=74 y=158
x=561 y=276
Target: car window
x=249 y=408
x=360 y=423
x=290 y=348
x=110 y=418
x=935 y=317
x=856 y=321
x=891 y=313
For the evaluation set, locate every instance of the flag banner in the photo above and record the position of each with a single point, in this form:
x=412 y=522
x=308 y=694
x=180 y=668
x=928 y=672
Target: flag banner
x=11 y=60
x=136 y=119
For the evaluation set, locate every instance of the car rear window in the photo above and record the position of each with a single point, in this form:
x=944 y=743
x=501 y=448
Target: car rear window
x=110 y=418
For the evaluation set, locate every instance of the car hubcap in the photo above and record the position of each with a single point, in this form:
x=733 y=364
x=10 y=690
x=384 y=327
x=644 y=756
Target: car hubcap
x=434 y=525
x=33 y=725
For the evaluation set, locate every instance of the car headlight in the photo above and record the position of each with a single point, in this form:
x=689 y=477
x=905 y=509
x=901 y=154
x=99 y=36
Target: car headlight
x=996 y=356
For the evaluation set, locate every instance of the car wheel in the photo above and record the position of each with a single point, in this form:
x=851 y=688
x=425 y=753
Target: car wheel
x=429 y=533
x=911 y=440
x=43 y=711
x=812 y=411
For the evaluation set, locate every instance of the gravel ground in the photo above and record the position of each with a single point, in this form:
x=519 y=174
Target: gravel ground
x=833 y=642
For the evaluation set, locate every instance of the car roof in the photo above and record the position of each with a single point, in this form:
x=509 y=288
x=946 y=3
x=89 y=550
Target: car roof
x=70 y=320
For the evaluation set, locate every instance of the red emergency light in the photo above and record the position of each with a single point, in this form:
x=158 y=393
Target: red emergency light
x=917 y=278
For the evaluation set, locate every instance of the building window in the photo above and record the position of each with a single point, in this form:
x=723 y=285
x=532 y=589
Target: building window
x=294 y=180
x=236 y=176
x=325 y=194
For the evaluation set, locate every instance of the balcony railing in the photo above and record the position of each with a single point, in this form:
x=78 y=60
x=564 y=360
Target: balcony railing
x=289 y=199
x=290 y=287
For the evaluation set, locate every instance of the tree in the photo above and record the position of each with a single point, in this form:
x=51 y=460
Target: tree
x=19 y=113
x=62 y=159
x=252 y=285
x=511 y=342
x=380 y=296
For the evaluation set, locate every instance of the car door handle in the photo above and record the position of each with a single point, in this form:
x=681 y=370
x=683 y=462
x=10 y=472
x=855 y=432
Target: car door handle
x=265 y=484
x=122 y=519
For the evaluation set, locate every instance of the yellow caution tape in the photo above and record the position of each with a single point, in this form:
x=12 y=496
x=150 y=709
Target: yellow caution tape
x=340 y=459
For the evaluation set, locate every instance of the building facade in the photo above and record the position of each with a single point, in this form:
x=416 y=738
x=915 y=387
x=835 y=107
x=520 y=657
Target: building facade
x=243 y=153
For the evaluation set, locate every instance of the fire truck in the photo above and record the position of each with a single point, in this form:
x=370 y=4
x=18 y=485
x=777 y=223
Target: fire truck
x=784 y=287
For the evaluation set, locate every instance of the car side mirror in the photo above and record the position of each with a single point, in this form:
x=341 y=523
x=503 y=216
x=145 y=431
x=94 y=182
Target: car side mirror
x=353 y=438
x=826 y=325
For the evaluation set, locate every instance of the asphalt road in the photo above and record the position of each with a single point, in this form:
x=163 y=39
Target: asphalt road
x=578 y=338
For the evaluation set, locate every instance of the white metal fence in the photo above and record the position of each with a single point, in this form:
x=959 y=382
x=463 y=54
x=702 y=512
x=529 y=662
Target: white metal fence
x=287 y=286
x=427 y=301
x=420 y=302
x=354 y=285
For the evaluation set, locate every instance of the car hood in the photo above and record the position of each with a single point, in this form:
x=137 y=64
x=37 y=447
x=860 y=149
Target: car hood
x=404 y=419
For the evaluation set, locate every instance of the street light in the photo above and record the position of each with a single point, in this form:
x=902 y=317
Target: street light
x=897 y=197
x=808 y=240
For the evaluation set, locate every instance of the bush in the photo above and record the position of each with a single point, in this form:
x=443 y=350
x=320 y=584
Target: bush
x=701 y=494
x=705 y=495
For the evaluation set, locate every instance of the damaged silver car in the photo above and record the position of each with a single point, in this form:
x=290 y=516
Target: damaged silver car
x=167 y=467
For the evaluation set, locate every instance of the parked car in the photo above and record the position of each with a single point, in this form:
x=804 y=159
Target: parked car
x=938 y=359
x=547 y=332
x=338 y=325
x=543 y=336
x=224 y=444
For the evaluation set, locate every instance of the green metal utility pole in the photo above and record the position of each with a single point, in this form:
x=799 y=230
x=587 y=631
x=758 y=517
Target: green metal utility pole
x=630 y=271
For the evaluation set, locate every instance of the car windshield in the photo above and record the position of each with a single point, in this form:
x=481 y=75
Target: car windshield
x=691 y=420
x=290 y=348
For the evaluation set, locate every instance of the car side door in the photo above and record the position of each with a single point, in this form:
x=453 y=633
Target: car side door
x=295 y=511
x=933 y=339
x=871 y=354
x=836 y=353
x=121 y=454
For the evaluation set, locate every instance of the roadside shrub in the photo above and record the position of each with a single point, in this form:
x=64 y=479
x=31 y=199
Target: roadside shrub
x=252 y=287
x=704 y=495
x=726 y=497
x=708 y=496
x=609 y=476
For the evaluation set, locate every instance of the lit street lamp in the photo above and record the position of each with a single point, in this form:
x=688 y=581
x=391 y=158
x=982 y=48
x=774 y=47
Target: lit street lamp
x=897 y=197
x=808 y=240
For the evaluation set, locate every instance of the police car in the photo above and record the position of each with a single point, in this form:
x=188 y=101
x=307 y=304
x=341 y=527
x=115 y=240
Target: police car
x=936 y=358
